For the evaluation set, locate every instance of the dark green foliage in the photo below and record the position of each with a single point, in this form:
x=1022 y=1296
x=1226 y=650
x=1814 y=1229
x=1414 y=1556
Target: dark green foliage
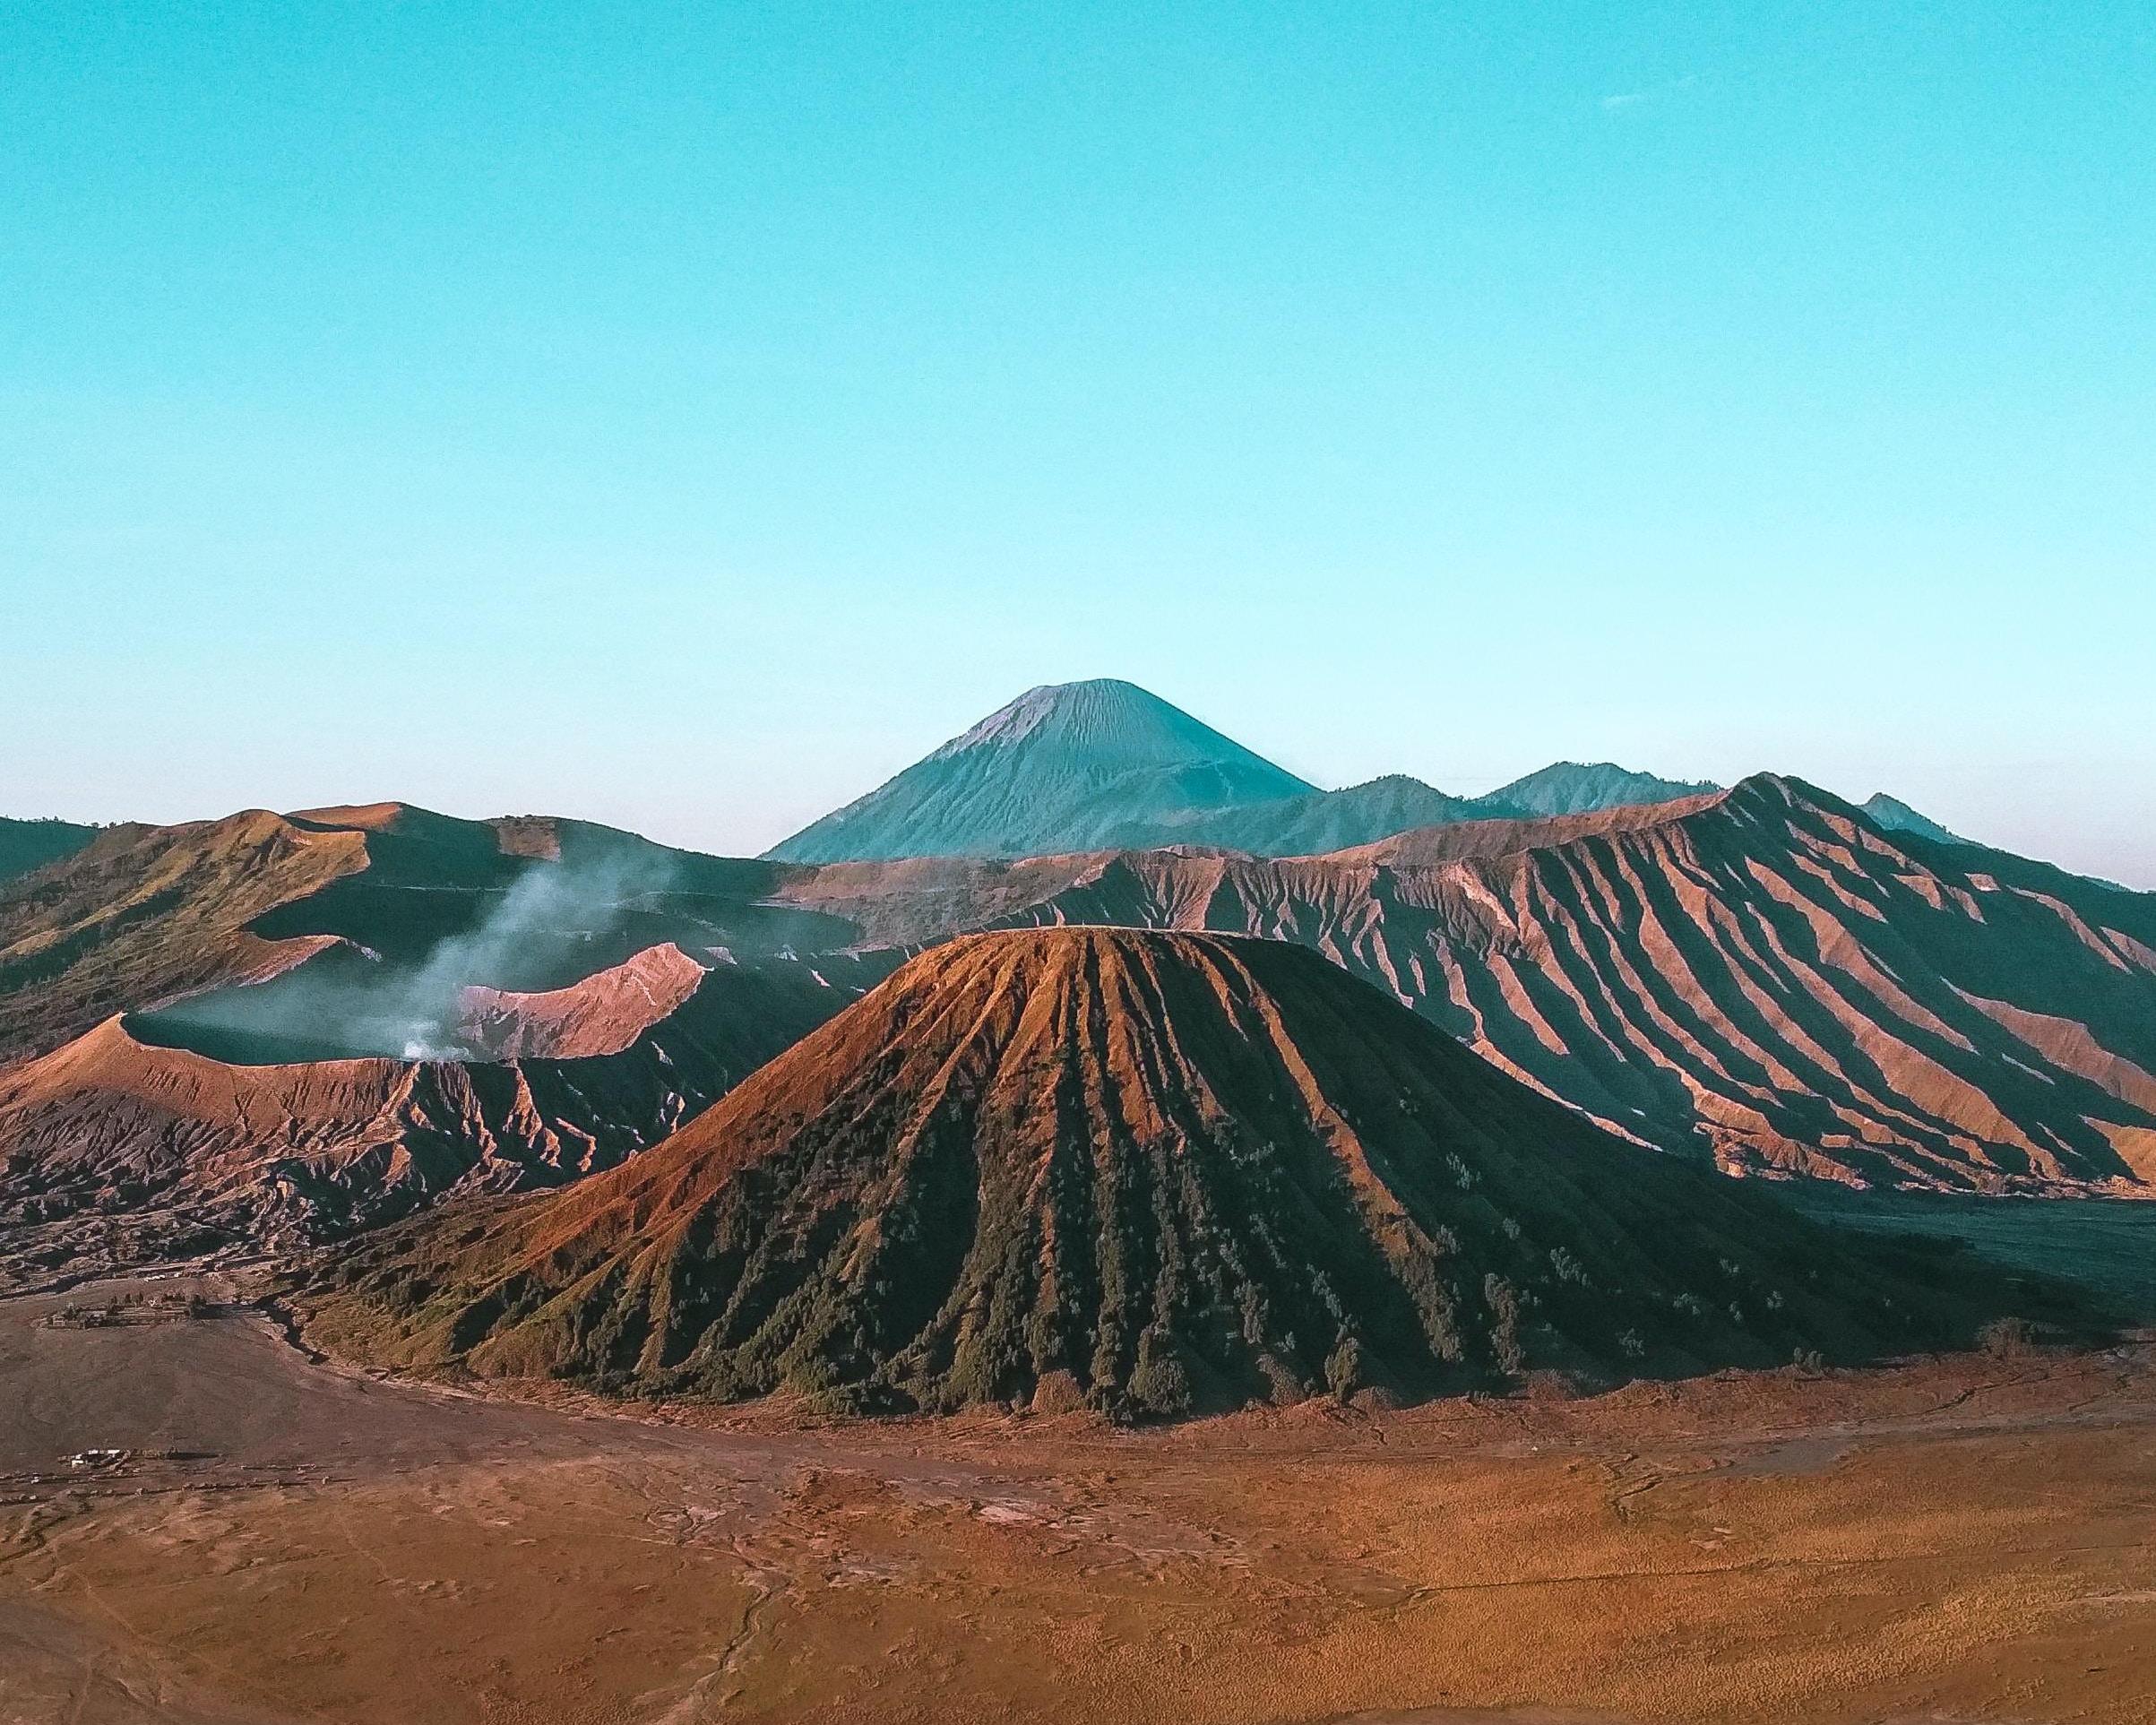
x=1343 y=1368
x=1159 y=1383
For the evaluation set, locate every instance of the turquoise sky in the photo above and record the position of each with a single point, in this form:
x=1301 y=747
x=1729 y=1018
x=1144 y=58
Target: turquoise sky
x=684 y=416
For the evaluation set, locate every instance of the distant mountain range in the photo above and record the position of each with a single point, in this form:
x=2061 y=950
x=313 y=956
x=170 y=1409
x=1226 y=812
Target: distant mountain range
x=1762 y=975
x=1577 y=788
x=1105 y=766
x=276 y=1027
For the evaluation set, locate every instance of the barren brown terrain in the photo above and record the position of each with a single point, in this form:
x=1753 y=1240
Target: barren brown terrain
x=1964 y=1538
x=1151 y=1173
x=121 y=1147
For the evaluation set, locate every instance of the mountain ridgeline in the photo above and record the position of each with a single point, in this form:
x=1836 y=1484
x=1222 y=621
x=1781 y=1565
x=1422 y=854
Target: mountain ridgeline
x=1577 y=788
x=1145 y=1173
x=1897 y=817
x=1105 y=766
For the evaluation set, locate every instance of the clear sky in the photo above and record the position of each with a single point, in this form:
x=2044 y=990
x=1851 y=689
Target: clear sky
x=684 y=415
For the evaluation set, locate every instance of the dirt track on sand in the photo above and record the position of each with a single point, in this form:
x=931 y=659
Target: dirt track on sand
x=1961 y=1539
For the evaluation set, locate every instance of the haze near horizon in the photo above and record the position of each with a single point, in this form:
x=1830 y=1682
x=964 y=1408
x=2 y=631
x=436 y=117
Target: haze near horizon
x=688 y=421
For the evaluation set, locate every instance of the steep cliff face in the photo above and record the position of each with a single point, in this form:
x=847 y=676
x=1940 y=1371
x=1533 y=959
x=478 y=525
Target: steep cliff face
x=1151 y=1172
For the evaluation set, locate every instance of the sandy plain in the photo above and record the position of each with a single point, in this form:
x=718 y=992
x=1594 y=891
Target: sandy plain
x=1970 y=1538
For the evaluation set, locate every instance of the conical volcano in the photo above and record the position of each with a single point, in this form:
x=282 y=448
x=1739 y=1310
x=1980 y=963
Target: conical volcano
x=1071 y=766
x=1146 y=1171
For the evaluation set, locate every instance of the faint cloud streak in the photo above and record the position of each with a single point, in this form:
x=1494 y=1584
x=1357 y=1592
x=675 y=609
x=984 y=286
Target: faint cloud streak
x=1633 y=98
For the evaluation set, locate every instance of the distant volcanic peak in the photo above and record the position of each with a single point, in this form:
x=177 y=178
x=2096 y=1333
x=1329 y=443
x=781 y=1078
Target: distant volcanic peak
x=1762 y=792
x=1076 y=704
x=1399 y=795
x=1074 y=767
x=1149 y=1171
x=1581 y=787
x=1897 y=817
x=1114 y=726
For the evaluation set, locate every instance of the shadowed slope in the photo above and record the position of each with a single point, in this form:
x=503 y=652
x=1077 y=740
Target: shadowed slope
x=576 y=896
x=143 y=916
x=25 y=845
x=1149 y=1171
